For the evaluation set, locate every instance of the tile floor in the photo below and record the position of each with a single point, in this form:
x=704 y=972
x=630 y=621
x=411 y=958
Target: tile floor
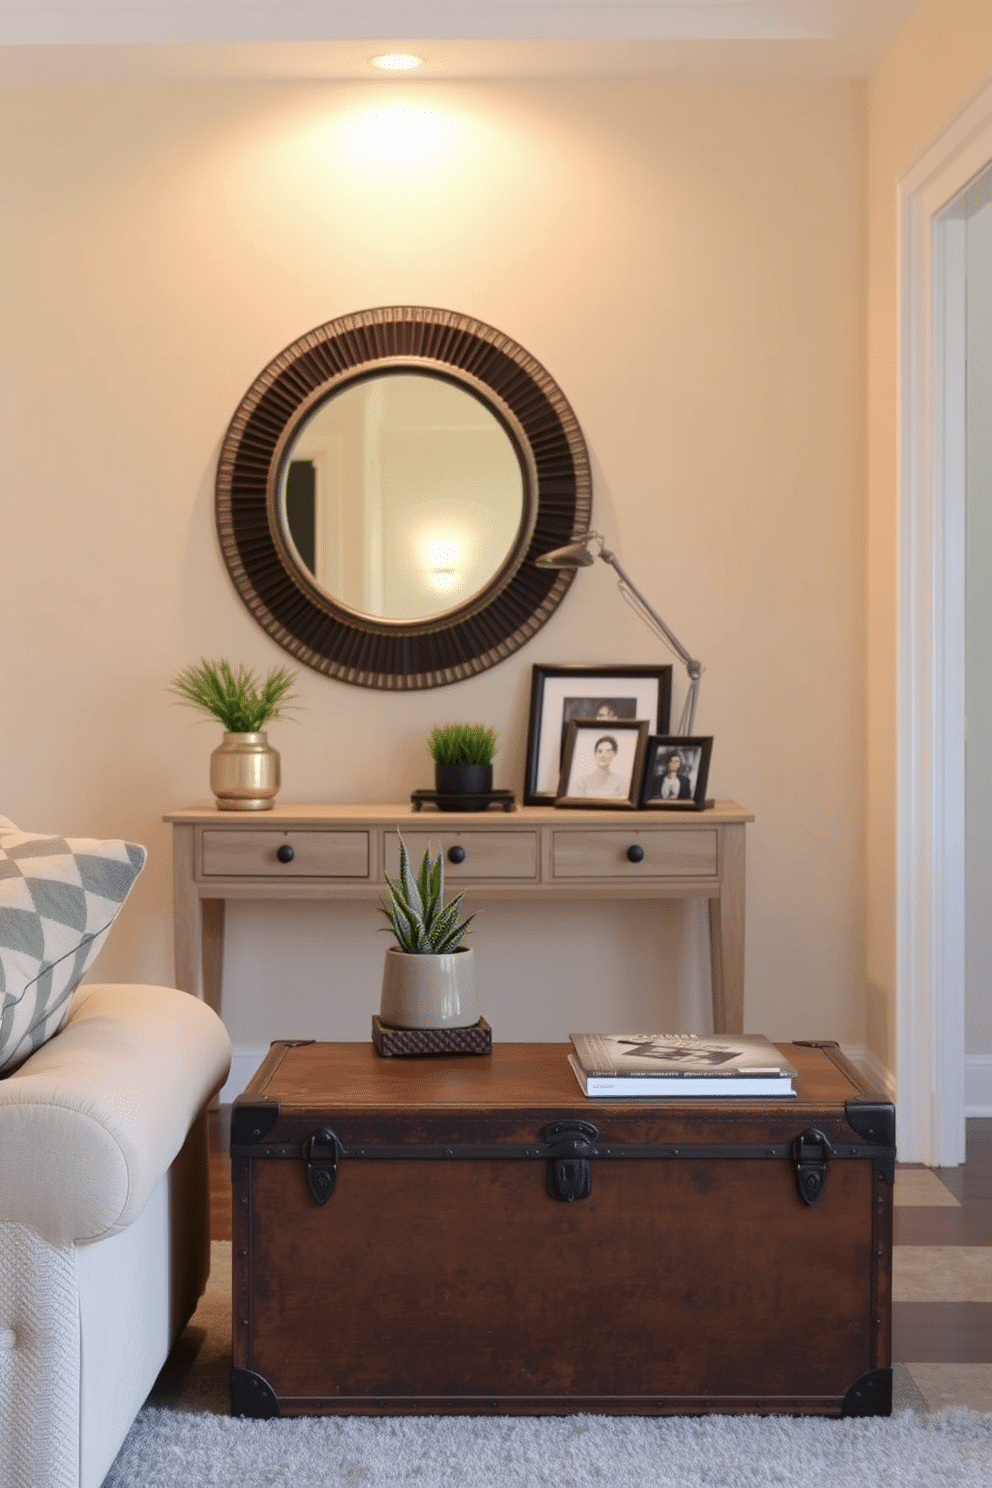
x=942 y=1280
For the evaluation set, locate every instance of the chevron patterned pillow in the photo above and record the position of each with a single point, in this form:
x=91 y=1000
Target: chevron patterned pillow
x=58 y=899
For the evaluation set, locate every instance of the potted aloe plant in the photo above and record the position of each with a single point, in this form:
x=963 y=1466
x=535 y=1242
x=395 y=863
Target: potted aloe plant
x=463 y=765
x=244 y=768
x=428 y=980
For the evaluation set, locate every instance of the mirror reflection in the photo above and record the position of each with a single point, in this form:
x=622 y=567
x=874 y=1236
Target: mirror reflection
x=402 y=496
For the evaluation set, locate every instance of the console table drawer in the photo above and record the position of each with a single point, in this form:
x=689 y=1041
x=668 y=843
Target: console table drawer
x=253 y=854
x=497 y=855
x=604 y=854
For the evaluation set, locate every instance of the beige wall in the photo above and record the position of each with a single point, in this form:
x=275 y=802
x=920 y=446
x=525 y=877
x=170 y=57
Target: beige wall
x=938 y=62
x=685 y=259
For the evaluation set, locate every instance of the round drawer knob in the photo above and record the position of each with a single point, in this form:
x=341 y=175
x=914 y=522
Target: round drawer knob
x=286 y=853
x=635 y=853
x=456 y=854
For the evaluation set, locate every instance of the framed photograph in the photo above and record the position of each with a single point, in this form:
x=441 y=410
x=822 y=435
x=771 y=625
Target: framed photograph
x=603 y=763
x=676 y=773
x=562 y=695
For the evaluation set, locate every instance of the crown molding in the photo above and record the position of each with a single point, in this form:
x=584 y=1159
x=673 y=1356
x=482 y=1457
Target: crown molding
x=865 y=27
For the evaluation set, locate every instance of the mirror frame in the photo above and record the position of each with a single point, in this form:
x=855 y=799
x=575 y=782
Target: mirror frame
x=282 y=597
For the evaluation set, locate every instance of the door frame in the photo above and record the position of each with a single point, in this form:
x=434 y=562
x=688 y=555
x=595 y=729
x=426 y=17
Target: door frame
x=930 y=725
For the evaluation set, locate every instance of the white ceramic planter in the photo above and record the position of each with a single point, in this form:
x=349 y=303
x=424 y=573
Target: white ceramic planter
x=429 y=991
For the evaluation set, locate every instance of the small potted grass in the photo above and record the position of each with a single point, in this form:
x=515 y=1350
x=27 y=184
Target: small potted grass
x=244 y=769
x=463 y=765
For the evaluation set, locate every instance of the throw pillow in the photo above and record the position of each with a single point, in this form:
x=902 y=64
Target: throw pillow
x=58 y=899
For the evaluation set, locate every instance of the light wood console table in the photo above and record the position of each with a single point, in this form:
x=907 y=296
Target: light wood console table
x=335 y=851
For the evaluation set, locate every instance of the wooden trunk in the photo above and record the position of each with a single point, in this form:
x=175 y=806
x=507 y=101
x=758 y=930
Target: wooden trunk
x=474 y=1235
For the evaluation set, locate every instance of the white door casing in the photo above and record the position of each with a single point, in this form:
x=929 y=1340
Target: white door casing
x=930 y=725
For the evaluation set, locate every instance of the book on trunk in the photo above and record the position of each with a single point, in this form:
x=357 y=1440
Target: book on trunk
x=710 y=1066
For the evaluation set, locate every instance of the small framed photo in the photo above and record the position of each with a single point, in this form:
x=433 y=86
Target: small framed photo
x=563 y=695
x=603 y=763
x=676 y=773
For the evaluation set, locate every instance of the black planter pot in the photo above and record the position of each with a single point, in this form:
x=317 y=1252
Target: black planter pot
x=463 y=787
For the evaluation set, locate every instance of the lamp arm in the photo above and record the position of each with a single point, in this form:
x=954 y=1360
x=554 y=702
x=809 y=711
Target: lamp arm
x=653 y=620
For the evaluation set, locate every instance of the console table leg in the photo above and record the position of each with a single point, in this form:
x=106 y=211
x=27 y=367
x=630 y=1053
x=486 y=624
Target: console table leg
x=727 y=936
x=187 y=922
x=198 y=925
x=213 y=951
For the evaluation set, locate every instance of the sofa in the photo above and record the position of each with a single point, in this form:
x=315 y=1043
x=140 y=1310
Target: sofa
x=104 y=1222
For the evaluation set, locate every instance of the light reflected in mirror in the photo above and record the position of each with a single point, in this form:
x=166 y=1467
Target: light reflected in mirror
x=402 y=496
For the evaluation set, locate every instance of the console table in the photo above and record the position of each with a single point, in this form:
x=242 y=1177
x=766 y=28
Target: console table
x=341 y=851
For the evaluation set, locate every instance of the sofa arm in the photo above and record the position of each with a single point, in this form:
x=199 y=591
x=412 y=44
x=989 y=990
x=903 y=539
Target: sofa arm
x=93 y=1119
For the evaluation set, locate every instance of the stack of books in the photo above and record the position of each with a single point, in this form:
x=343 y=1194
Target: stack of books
x=709 y=1066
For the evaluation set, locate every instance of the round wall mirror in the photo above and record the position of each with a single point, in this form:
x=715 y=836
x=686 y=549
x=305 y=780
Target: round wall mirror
x=383 y=489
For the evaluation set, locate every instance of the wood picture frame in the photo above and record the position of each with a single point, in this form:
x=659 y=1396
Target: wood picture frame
x=603 y=765
x=562 y=694
x=670 y=787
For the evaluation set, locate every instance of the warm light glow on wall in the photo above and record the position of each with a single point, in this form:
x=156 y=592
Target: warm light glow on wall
x=396 y=133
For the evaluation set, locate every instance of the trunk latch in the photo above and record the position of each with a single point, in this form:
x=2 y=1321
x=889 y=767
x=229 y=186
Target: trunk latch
x=320 y=1154
x=810 y=1152
x=571 y=1144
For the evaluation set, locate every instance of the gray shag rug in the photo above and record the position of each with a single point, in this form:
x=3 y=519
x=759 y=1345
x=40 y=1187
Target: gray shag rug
x=167 y=1448
x=184 y=1438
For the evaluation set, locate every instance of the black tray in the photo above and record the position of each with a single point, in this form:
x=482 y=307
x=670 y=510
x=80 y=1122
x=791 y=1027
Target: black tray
x=504 y=798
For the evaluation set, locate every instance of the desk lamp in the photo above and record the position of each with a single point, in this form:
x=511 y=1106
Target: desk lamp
x=581 y=553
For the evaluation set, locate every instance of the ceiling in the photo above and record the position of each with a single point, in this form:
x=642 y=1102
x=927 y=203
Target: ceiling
x=81 y=42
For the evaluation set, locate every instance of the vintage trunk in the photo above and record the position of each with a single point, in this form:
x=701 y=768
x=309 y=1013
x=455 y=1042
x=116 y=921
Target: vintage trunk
x=472 y=1234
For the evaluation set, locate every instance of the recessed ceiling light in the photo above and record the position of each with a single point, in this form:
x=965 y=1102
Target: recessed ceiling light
x=397 y=62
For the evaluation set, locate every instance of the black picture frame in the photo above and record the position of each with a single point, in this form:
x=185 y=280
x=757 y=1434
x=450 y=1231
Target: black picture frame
x=583 y=737
x=559 y=693
x=695 y=751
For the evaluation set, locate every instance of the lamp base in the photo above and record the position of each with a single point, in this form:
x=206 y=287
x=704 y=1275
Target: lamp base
x=681 y=806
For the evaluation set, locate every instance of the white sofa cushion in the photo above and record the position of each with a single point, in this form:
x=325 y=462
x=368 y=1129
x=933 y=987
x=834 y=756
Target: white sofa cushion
x=93 y=1119
x=58 y=899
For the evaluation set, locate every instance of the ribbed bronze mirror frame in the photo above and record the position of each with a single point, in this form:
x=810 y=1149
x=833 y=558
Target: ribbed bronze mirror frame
x=357 y=648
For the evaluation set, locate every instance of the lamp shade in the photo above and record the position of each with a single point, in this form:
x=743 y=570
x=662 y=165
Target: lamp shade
x=572 y=555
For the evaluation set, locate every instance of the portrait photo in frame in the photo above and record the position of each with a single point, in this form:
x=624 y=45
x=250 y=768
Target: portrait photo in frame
x=560 y=695
x=603 y=765
x=676 y=772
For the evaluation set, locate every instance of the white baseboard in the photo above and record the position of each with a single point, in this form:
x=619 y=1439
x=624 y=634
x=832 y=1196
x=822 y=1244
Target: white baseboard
x=978 y=1085
x=244 y=1062
x=977 y=1078
x=869 y=1065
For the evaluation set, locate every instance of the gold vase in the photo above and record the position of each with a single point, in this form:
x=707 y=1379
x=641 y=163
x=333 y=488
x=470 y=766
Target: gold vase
x=244 y=773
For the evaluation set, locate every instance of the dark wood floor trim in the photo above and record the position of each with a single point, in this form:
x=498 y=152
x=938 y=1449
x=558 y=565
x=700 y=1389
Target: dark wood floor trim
x=938 y=1226
x=942 y=1332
